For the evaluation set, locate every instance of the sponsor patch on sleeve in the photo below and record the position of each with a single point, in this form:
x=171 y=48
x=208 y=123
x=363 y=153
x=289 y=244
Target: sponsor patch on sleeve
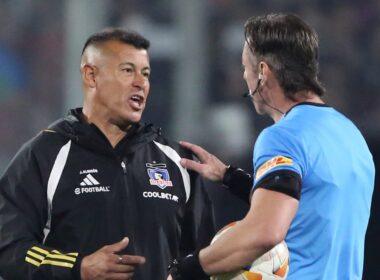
x=272 y=163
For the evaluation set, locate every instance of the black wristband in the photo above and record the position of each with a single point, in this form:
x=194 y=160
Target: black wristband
x=188 y=268
x=238 y=181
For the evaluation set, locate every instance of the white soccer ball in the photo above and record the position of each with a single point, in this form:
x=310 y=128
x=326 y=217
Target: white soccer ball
x=273 y=265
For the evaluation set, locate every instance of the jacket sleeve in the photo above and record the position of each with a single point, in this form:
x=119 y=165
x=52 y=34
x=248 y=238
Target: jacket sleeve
x=198 y=227
x=23 y=216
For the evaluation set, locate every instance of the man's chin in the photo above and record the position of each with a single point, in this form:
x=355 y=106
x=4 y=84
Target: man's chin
x=125 y=123
x=135 y=117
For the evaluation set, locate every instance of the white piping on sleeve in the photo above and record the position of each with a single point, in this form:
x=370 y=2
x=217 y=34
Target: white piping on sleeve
x=55 y=176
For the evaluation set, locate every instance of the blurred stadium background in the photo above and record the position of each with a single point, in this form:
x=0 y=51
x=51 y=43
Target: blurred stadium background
x=196 y=80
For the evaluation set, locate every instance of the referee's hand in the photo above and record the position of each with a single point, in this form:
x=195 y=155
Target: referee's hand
x=208 y=166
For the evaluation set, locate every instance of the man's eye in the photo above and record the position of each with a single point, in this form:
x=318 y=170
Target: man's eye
x=146 y=74
x=128 y=70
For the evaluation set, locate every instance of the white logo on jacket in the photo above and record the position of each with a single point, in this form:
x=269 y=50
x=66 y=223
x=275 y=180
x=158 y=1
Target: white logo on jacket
x=89 y=180
x=89 y=184
x=86 y=171
x=161 y=195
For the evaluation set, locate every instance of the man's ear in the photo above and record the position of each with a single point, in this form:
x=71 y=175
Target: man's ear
x=264 y=71
x=88 y=75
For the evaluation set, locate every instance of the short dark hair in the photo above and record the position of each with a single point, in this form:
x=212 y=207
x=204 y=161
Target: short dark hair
x=290 y=47
x=117 y=34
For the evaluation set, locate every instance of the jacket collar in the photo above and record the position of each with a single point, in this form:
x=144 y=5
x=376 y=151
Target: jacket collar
x=91 y=137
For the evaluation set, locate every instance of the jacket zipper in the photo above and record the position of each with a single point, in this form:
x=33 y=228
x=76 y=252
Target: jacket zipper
x=124 y=165
x=128 y=214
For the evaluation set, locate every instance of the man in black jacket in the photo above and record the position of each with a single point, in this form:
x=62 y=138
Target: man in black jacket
x=99 y=195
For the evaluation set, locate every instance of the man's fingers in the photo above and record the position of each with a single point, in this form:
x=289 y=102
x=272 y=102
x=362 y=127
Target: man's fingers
x=120 y=276
x=132 y=259
x=210 y=166
x=192 y=165
x=201 y=153
x=186 y=144
x=122 y=268
x=126 y=263
x=118 y=246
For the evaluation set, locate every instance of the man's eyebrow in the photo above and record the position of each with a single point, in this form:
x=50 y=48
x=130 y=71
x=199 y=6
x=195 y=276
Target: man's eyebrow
x=127 y=64
x=133 y=65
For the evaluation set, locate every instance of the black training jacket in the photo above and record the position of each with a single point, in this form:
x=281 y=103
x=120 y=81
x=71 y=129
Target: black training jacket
x=67 y=193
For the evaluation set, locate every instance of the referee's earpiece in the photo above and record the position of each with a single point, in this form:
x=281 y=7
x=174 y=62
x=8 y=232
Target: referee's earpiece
x=260 y=80
x=261 y=77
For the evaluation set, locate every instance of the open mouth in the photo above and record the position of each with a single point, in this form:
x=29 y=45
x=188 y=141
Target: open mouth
x=137 y=101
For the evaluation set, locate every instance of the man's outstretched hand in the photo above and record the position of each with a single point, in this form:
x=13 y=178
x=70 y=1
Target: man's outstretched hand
x=209 y=167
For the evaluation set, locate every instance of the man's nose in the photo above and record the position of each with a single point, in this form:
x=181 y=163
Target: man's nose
x=139 y=80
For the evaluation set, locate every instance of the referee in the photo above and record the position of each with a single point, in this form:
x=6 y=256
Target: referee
x=313 y=173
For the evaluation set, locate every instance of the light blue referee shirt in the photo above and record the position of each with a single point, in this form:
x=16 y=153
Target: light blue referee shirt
x=326 y=237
